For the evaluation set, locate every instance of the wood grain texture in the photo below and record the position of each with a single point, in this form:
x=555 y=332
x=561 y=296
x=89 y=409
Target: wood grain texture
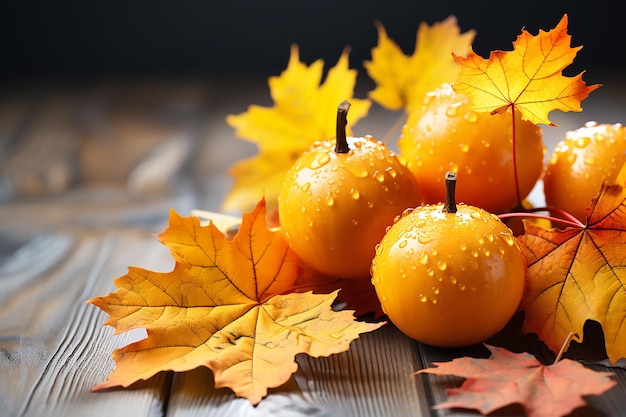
x=53 y=346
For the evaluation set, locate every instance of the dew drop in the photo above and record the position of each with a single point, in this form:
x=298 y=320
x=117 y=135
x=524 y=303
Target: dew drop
x=423 y=259
x=306 y=186
x=453 y=110
x=464 y=147
x=442 y=266
x=330 y=200
x=392 y=172
x=453 y=279
x=423 y=298
x=359 y=172
x=463 y=247
x=331 y=181
x=320 y=161
x=355 y=193
x=424 y=239
x=435 y=290
x=590 y=161
x=402 y=244
x=554 y=158
x=336 y=336
x=471 y=116
x=582 y=141
x=475 y=215
x=508 y=239
x=379 y=176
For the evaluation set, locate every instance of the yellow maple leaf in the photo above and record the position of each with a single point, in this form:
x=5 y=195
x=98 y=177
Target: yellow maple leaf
x=221 y=307
x=528 y=78
x=402 y=81
x=578 y=274
x=304 y=111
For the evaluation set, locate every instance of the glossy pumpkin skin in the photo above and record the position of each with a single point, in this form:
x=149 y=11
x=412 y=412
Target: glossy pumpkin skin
x=449 y=279
x=580 y=162
x=334 y=207
x=447 y=135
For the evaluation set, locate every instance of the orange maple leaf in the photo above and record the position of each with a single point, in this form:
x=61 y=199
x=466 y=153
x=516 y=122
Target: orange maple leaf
x=579 y=274
x=507 y=378
x=528 y=78
x=304 y=110
x=403 y=81
x=219 y=307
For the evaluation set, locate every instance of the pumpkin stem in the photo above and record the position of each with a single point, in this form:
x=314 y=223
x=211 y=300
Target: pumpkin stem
x=450 y=204
x=342 y=121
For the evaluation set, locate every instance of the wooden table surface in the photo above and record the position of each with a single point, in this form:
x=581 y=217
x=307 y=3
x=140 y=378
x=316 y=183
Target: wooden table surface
x=88 y=173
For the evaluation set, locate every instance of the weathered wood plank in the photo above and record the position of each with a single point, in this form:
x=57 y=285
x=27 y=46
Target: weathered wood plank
x=371 y=379
x=53 y=346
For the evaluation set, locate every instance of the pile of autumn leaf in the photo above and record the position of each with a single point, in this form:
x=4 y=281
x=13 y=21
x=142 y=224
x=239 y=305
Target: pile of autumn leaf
x=244 y=306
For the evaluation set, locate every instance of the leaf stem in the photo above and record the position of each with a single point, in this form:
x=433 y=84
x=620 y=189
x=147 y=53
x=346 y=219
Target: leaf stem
x=450 y=204
x=342 y=121
x=514 y=154
x=568 y=339
x=569 y=220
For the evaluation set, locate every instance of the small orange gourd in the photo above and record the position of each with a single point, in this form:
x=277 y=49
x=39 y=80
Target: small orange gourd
x=339 y=197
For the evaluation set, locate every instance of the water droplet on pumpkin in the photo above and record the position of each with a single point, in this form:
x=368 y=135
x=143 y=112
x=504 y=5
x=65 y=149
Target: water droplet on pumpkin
x=582 y=141
x=590 y=161
x=453 y=279
x=554 y=158
x=423 y=298
x=508 y=239
x=359 y=172
x=442 y=266
x=423 y=259
x=463 y=247
x=464 y=147
x=320 y=161
x=453 y=110
x=424 y=239
x=471 y=116
x=435 y=290
x=354 y=193
x=379 y=176
x=330 y=200
x=336 y=336
x=402 y=244
x=392 y=172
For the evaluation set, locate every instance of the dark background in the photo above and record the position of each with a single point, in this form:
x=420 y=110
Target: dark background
x=172 y=38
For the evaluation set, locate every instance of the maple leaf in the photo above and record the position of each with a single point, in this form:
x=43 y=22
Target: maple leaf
x=507 y=378
x=219 y=307
x=403 y=81
x=528 y=78
x=578 y=274
x=304 y=111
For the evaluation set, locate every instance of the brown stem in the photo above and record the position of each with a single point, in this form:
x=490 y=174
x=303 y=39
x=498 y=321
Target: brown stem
x=342 y=121
x=450 y=204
